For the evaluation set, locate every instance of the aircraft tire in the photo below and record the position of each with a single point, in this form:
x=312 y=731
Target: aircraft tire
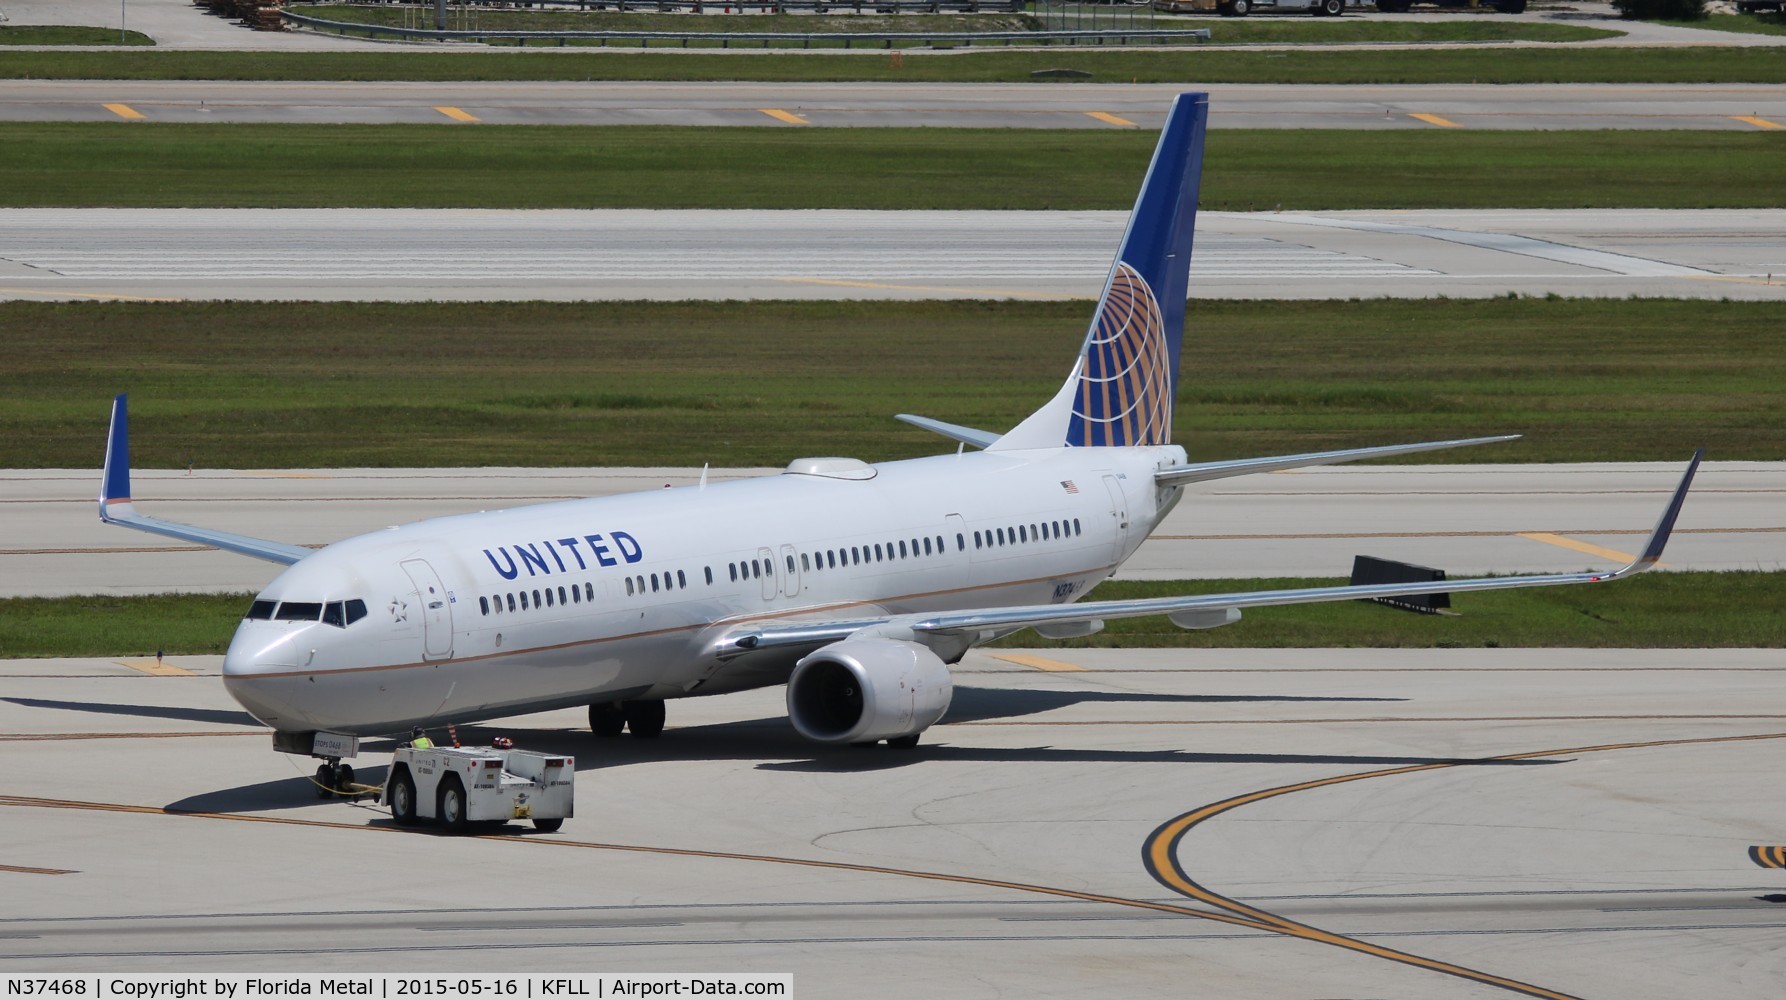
x=644 y=719
x=547 y=825
x=607 y=719
x=452 y=805
x=325 y=781
x=403 y=798
x=905 y=742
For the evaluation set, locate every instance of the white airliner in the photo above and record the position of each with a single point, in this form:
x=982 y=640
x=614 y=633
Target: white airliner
x=853 y=584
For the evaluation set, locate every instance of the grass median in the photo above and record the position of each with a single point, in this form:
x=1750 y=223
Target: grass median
x=332 y=385
x=1653 y=611
x=1099 y=18
x=160 y=165
x=1190 y=67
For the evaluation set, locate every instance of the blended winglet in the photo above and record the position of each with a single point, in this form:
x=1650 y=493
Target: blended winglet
x=115 y=487
x=1652 y=551
x=116 y=507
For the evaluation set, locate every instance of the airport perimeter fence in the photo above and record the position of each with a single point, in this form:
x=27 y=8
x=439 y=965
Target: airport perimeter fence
x=1137 y=35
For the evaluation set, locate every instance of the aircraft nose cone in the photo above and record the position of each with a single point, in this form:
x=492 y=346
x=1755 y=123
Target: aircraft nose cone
x=258 y=672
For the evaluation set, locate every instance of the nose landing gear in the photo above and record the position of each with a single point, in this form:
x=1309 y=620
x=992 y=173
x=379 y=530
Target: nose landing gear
x=337 y=779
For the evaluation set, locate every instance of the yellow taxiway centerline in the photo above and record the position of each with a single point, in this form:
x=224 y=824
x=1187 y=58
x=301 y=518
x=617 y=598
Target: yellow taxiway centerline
x=157 y=668
x=1105 y=116
x=1038 y=662
x=457 y=114
x=1758 y=122
x=1005 y=293
x=1583 y=547
x=1436 y=120
x=784 y=116
x=125 y=111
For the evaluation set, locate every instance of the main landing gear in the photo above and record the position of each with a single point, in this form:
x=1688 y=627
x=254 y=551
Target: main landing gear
x=644 y=719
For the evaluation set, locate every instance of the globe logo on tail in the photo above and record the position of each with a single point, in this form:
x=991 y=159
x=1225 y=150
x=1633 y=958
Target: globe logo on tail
x=1124 y=396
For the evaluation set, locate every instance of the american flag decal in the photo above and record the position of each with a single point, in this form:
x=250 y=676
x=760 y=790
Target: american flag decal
x=1069 y=486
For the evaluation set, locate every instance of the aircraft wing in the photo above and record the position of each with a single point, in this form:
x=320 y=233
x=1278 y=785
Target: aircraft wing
x=1201 y=611
x=115 y=506
x=1180 y=475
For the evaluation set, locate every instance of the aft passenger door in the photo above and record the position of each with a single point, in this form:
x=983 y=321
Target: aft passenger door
x=437 y=611
x=1119 y=517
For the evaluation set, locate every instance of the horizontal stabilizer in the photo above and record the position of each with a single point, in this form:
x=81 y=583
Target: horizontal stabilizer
x=954 y=432
x=115 y=506
x=1202 y=472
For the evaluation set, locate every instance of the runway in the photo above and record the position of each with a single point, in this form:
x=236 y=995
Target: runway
x=403 y=254
x=1465 y=519
x=1320 y=823
x=1731 y=107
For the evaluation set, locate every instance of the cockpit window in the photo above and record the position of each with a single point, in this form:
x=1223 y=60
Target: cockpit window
x=260 y=611
x=356 y=610
x=333 y=614
x=299 y=611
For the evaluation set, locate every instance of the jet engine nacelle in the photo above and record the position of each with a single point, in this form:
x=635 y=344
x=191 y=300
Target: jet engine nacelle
x=863 y=690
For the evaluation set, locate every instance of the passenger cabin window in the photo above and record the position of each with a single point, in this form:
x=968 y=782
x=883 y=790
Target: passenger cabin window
x=709 y=572
x=681 y=580
x=790 y=563
x=260 y=611
x=1076 y=529
x=511 y=600
x=589 y=592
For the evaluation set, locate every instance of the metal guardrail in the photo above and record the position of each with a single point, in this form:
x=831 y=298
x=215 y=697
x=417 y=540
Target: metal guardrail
x=1121 y=36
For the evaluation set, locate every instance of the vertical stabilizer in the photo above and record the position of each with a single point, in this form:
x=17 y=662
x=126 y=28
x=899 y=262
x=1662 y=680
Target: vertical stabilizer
x=1122 y=387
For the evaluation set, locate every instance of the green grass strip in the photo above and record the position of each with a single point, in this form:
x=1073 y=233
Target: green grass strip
x=1654 y=611
x=1226 y=33
x=1747 y=24
x=135 y=164
x=1203 y=66
x=32 y=34
x=332 y=385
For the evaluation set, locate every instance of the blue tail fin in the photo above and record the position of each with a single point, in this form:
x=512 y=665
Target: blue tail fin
x=1130 y=373
x=1121 y=392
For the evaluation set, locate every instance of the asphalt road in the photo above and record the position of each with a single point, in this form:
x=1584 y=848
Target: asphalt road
x=385 y=254
x=1740 y=107
x=1466 y=519
x=1346 y=807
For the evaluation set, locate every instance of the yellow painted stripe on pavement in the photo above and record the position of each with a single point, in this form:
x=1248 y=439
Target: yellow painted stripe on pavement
x=1583 y=547
x=784 y=116
x=22 y=870
x=1002 y=293
x=456 y=114
x=157 y=668
x=51 y=293
x=1105 y=116
x=1757 y=122
x=1038 y=662
x=125 y=111
x=1436 y=120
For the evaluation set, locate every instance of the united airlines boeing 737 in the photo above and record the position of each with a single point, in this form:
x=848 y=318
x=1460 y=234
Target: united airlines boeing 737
x=853 y=584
